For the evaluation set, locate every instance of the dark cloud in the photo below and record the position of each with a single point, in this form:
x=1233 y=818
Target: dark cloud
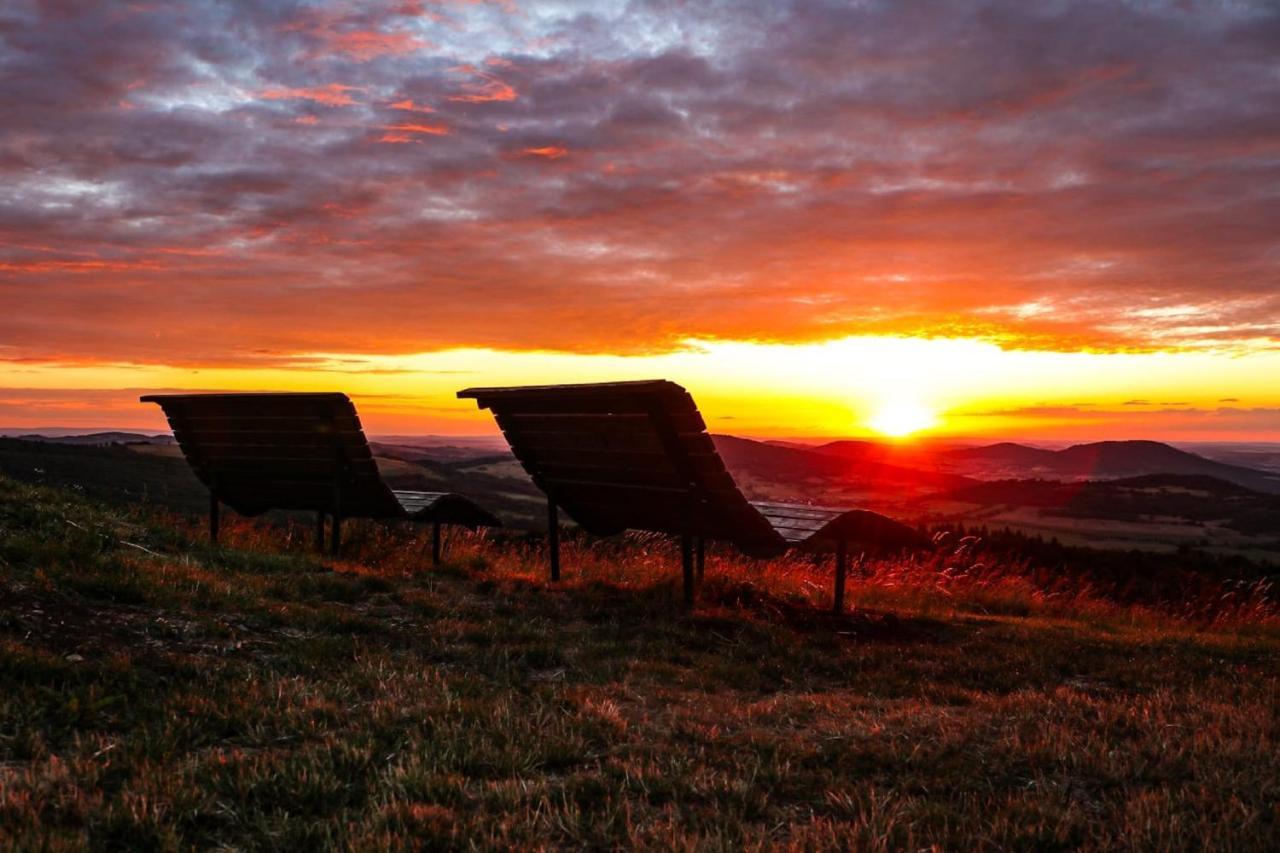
x=194 y=183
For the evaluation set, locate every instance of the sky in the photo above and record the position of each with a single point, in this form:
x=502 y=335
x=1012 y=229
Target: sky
x=1007 y=218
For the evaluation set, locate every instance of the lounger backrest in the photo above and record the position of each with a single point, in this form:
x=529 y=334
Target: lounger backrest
x=626 y=455
x=257 y=452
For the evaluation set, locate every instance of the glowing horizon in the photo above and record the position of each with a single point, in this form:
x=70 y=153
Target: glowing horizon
x=946 y=387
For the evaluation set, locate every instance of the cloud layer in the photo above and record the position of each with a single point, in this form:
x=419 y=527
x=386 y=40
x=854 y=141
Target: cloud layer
x=206 y=183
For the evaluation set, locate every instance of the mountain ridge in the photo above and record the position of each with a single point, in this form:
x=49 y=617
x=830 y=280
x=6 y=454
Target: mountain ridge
x=1113 y=459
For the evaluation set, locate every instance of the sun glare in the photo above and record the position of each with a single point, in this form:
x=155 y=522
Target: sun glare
x=901 y=418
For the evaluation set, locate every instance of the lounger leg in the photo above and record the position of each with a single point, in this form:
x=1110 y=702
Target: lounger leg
x=553 y=538
x=213 y=518
x=435 y=543
x=320 y=532
x=686 y=563
x=702 y=558
x=335 y=543
x=842 y=559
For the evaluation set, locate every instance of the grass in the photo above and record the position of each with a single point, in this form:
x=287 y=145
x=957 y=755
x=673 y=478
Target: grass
x=161 y=694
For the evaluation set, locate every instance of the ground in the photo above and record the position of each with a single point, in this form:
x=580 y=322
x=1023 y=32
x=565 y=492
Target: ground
x=161 y=693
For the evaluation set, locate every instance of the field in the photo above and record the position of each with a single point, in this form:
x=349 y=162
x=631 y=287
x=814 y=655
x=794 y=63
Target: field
x=160 y=693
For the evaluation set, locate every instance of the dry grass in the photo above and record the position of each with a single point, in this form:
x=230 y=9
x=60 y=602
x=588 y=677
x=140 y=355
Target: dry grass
x=258 y=696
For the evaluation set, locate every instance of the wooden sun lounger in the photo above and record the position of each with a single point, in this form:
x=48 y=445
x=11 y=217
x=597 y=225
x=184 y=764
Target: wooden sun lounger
x=258 y=452
x=636 y=455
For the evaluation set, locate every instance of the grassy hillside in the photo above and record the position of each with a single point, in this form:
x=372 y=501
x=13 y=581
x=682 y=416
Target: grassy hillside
x=1177 y=497
x=155 y=475
x=160 y=693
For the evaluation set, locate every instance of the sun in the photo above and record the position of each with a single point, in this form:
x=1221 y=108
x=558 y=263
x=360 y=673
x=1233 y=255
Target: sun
x=901 y=417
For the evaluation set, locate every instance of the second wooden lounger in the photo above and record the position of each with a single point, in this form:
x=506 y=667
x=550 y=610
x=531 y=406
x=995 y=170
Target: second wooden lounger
x=636 y=455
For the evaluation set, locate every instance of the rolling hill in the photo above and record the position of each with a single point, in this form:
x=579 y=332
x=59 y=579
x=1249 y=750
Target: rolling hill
x=1102 y=460
x=746 y=459
x=101 y=439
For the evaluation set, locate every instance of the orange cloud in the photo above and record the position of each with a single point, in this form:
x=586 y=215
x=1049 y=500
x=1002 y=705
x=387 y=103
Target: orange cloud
x=551 y=152
x=77 y=266
x=331 y=95
x=486 y=88
x=364 y=45
x=409 y=106
x=188 y=252
x=355 y=32
x=429 y=129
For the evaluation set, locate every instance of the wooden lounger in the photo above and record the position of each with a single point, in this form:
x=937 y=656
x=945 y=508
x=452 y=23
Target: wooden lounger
x=257 y=452
x=636 y=455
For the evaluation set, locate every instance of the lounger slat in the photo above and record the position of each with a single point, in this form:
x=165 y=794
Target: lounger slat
x=641 y=438
x=587 y=473
x=271 y=438
x=600 y=487
x=257 y=406
x=300 y=424
x=289 y=469
x=232 y=455
x=229 y=456
x=705 y=475
x=635 y=397
x=643 y=441
x=600 y=422
x=622 y=461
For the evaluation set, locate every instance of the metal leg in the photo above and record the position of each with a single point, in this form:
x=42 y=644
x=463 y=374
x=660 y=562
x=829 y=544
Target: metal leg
x=701 y=558
x=553 y=538
x=335 y=542
x=435 y=543
x=213 y=518
x=320 y=532
x=686 y=564
x=842 y=560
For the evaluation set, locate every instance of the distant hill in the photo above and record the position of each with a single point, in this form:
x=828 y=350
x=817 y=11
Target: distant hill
x=781 y=464
x=450 y=453
x=100 y=439
x=849 y=448
x=1100 y=460
x=439 y=448
x=1006 y=453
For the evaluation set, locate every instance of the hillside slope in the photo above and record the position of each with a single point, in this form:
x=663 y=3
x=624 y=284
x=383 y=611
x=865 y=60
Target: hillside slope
x=162 y=694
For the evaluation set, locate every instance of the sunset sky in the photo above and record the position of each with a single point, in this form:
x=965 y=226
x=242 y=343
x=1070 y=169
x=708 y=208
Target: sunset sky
x=1010 y=218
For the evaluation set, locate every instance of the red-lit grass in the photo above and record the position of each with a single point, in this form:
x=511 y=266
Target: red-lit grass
x=955 y=577
x=257 y=695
